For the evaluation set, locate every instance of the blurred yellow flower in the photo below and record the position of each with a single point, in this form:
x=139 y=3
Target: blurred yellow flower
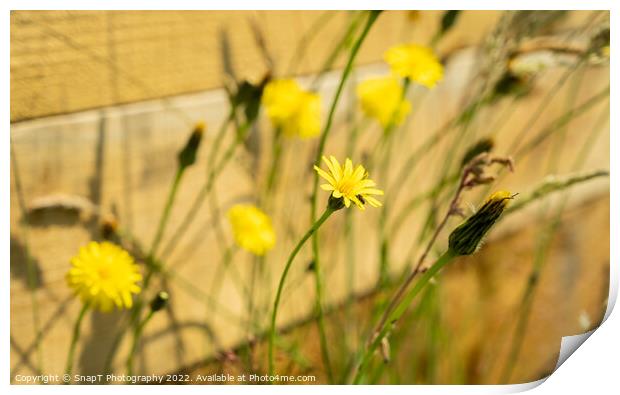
x=252 y=228
x=289 y=107
x=416 y=62
x=349 y=184
x=382 y=99
x=104 y=276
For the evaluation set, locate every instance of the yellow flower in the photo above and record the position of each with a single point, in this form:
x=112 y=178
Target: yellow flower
x=295 y=111
x=382 y=98
x=416 y=62
x=104 y=275
x=348 y=184
x=252 y=228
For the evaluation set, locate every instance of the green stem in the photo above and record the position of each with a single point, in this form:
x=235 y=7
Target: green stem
x=304 y=42
x=166 y=213
x=204 y=192
x=272 y=332
x=74 y=340
x=398 y=312
x=275 y=163
x=383 y=171
x=333 y=55
x=372 y=17
x=135 y=341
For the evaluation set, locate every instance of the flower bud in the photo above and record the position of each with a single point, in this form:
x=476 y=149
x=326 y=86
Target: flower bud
x=187 y=156
x=335 y=203
x=109 y=228
x=448 y=20
x=465 y=239
x=159 y=301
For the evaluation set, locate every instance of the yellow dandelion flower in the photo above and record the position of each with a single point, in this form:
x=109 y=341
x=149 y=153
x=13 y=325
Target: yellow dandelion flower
x=252 y=228
x=348 y=184
x=104 y=276
x=295 y=111
x=382 y=99
x=416 y=62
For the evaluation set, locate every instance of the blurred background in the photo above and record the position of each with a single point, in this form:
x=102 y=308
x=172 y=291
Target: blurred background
x=101 y=102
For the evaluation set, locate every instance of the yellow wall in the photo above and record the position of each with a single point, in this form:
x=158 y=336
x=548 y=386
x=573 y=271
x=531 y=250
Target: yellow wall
x=66 y=61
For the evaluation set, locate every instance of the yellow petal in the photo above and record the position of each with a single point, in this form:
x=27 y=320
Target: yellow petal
x=325 y=175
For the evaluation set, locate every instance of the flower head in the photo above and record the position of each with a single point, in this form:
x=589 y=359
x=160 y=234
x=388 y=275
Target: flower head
x=295 y=111
x=187 y=155
x=416 y=62
x=252 y=228
x=104 y=275
x=348 y=184
x=465 y=239
x=382 y=98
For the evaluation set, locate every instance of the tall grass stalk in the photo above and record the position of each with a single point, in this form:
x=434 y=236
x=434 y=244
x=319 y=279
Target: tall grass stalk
x=276 y=304
x=372 y=17
x=400 y=309
x=540 y=257
x=75 y=337
x=31 y=272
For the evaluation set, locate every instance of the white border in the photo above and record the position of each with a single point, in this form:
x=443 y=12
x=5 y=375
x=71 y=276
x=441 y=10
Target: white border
x=594 y=367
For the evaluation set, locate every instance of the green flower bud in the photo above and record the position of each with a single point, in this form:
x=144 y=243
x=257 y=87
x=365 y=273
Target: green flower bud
x=159 y=301
x=187 y=156
x=335 y=203
x=465 y=239
x=448 y=20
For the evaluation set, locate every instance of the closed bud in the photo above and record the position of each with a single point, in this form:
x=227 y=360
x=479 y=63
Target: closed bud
x=465 y=239
x=187 y=156
x=159 y=301
x=335 y=203
x=109 y=228
x=448 y=20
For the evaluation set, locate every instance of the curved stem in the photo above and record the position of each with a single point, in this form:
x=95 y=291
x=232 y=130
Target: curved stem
x=166 y=213
x=384 y=168
x=74 y=340
x=202 y=195
x=398 y=312
x=272 y=332
x=135 y=340
x=275 y=164
x=372 y=17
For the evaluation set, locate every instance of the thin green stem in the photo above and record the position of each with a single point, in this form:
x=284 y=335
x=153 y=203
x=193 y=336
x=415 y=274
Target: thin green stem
x=135 y=341
x=388 y=132
x=372 y=17
x=341 y=44
x=309 y=35
x=275 y=163
x=289 y=262
x=167 y=209
x=398 y=312
x=203 y=193
x=540 y=257
x=74 y=339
